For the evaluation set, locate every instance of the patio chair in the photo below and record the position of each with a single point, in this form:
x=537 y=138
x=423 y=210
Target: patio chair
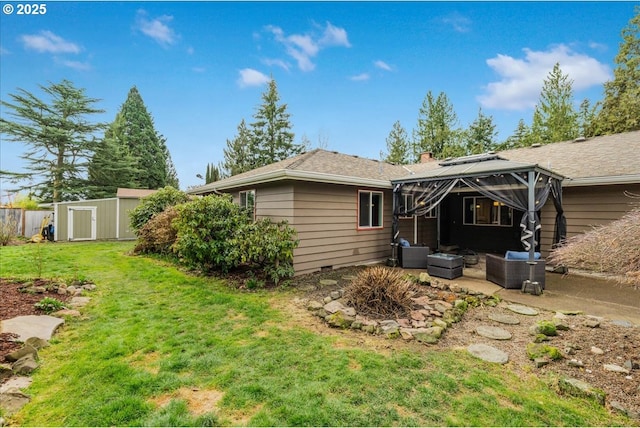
x=510 y=273
x=413 y=257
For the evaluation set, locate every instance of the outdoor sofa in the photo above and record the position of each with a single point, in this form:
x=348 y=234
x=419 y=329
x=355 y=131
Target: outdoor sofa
x=508 y=272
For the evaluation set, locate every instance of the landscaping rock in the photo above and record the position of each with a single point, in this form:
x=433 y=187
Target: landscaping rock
x=335 y=294
x=5 y=372
x=622 y=323
x=340 y=319
x=22 y=352
x=20 y=382
x=25 y=365
x=424 y=278
x=592 y=323
x=504 y=319
x=36 y=342
x=578 y=388
x=314 y=305
x=597 y=351
x=13 y=400
x=522 y=310
x=575 y=363
x=618 y=407
x=616 y=368
x=495 y=333
x=548 y=328
x=328 y=282
x=27 y=326
x=68 y=313
x=540 y=362
x=488 y=353
x=539 y=350
x=334 y=306
x=389 y=328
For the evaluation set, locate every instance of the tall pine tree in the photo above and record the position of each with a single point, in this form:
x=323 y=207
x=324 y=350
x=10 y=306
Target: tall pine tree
x=621 y=105
x=272 y=139
x=398 y=146
x=481 y=135
x=554 y=118
x=59 y=136
x=237 y=154
x=134 y=128
x=437 y=130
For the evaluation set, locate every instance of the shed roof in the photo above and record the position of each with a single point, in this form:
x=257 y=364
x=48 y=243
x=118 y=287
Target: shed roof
x=124 y=192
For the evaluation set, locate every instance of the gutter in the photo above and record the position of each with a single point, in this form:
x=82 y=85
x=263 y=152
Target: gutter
x=602 y=181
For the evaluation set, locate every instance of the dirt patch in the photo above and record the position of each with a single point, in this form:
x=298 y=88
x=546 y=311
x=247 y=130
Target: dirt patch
x=15 y=302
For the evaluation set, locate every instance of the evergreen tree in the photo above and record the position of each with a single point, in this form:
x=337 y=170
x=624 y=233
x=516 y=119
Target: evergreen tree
x=135 y=128
x=398 y=147
x=621 y=105
x=172 y=174
x=480 y=137
x=272 y=139
x=587 y=119
x=213 y=173
x=237 y=154
x=554 y=117
x=59 y=138
x=112 y=166
x=437 y=127
x=519 y=137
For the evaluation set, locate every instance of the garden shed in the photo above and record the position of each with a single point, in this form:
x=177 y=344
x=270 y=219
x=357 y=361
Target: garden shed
x=97 y=219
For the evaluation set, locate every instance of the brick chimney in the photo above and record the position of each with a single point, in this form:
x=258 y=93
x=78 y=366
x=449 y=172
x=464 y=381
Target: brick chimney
x=426 y=157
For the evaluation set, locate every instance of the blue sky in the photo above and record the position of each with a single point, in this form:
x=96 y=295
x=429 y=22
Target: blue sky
x=346 y=70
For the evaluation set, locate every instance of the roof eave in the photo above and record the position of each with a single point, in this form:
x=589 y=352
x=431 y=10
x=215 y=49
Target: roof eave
x=284 y=174
x=602 y=181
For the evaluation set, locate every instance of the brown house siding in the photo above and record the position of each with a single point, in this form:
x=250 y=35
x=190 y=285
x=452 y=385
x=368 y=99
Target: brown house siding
x=326 y=222
x=586 y=207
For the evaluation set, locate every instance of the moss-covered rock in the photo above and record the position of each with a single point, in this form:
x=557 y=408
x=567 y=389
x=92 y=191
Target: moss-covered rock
x=539 y=350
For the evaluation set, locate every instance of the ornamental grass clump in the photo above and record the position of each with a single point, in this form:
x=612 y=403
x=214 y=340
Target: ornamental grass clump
x=381 y=292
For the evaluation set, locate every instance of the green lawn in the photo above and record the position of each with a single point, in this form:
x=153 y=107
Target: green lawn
x=157 y=346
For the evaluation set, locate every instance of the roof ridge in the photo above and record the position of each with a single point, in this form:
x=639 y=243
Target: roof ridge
x=301 y=158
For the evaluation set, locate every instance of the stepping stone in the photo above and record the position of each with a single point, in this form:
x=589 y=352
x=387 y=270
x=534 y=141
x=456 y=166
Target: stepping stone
x=488 y=353
x=495 y=333
x=622 y=323
x=522 y=310
x=27 y=326
x=328 y=282
x=504 y=319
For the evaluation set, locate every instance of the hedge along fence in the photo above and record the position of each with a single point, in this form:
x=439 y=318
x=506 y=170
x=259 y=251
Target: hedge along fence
x=214 y=234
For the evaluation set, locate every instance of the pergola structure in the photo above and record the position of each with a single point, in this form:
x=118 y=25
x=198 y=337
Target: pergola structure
x=520 y=186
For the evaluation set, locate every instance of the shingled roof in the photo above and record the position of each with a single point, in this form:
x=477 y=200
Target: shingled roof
x=319 y=166
x=608 y=159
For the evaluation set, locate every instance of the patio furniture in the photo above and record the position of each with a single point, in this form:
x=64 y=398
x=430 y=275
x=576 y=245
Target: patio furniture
x=509 y=273
x=445 y=265
x=413 y=257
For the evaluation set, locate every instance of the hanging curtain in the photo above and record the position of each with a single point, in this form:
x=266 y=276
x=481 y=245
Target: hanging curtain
x=511 y=190
x=560 y=229
x=426 y=196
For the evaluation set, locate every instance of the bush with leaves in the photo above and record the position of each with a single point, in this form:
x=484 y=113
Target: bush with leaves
x=158 y=235
x=269 y=247
x=49 y=305
x=207 y=228
x=155 y=204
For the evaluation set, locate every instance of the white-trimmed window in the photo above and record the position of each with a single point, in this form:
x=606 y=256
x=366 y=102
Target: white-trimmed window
x=369 y=209
x=481 y=211
x=248 y=202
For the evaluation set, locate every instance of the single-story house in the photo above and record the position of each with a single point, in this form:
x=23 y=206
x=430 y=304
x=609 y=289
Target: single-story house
x=94 y=219
x=342 y=206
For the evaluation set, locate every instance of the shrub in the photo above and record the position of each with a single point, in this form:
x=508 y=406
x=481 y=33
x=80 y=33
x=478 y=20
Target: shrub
x=49 y=305
x=381 y=292
x=8 y=230
x=269 y=247
x=155 y=204
x=207 y=228
x=158 y=235
x=611 y=248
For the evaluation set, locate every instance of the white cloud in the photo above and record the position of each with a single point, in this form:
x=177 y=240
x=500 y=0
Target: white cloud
x=522 y=79
x=76 y=65
x=459 y=23
x=277 y=62
x=334 y=36
x=382 y=65
x=600 y=47
x=46 y=41
x=157 y=28
x=304 y=47
x=251 y=77
x=360 y=77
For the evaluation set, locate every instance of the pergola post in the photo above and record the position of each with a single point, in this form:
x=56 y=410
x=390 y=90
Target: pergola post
x=531 y=224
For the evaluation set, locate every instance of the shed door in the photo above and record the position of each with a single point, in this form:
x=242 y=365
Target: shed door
x=82 y=223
